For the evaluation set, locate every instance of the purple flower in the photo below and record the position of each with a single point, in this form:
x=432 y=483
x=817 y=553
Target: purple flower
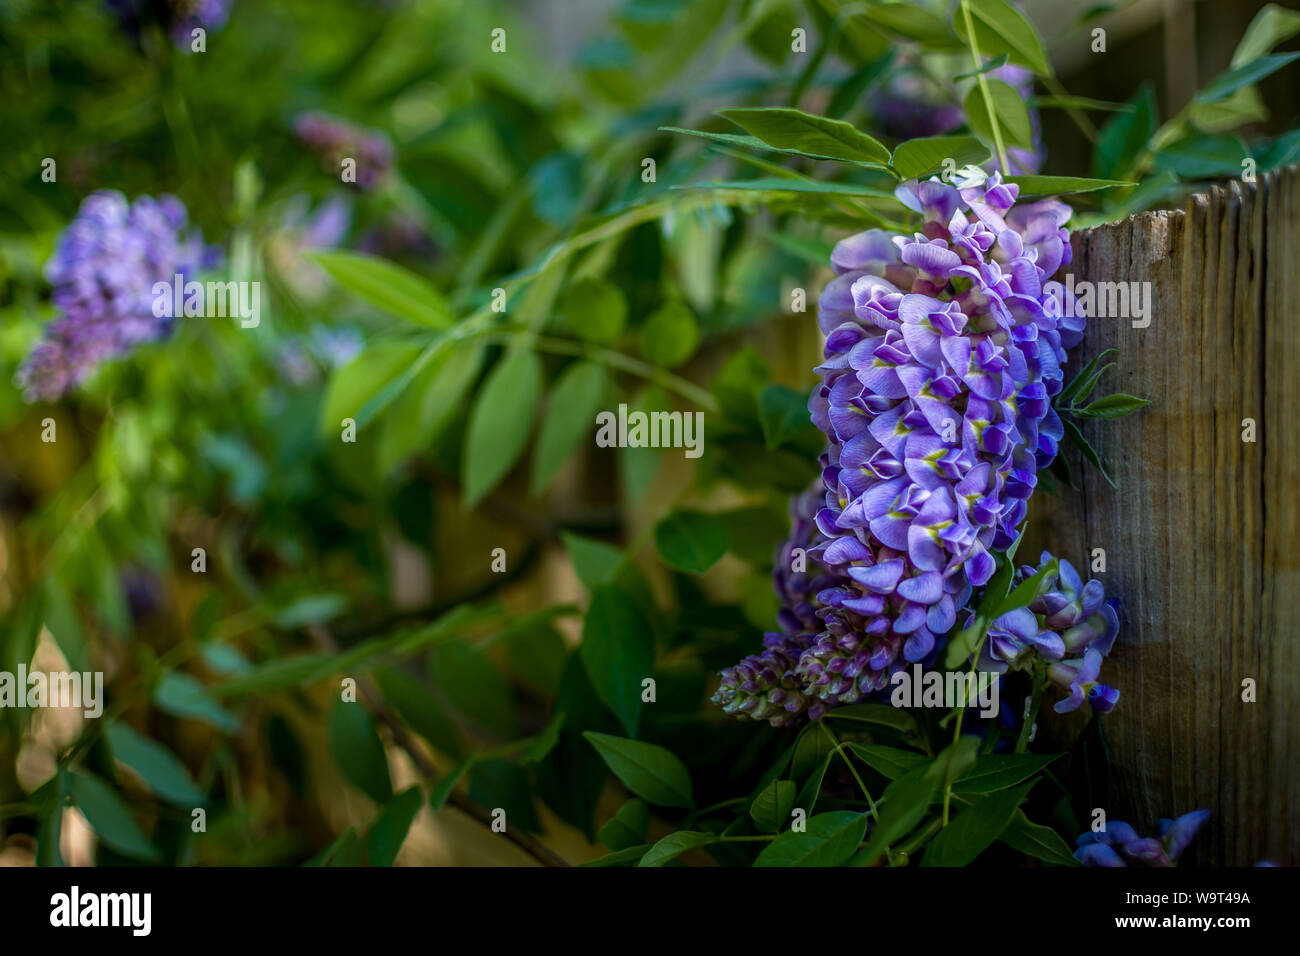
x=1070 y=625
x=105 y=265
x=335 y=140
x=942 y=356
x=1120 y=845
x=178 y=17
x=909 y=106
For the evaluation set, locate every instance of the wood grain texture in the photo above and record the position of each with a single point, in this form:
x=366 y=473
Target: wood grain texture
x=1202 y=533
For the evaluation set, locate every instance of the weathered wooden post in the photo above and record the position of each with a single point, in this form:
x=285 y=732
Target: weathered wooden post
x=1202 y=534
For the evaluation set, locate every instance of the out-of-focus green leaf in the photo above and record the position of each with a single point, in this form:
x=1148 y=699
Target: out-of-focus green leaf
x=158 y=767
x=109 y=817
x=627 y=827
x=691 y=541
x=570 y=414
x=390 y=828
x=358 y=751
x=500 y=422
x=387 y=286
x=617 y=651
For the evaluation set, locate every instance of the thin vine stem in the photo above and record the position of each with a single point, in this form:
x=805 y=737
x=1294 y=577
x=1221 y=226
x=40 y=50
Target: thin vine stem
x=993 y=119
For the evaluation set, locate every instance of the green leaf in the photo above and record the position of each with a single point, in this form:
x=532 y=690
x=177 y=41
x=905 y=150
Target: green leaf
x=906 y=800
x=358 y=751
x=670 y=335
x=811 y=748
x=352 y=387
x=595 y=562
x=1271 y=26
x=181 y=695
x=541 y=745
x=745 y=142
x=994 y=64
x=1063 y=185
x=1086 y=377
x=691 y=541
x=1247 y=73
x=1113 y=406
x=921 y=157
x=913 y=21
x=674 y=845
x=471 y=681
x=617 y=651
x=740 y=381
x=500 y=422
x=787 y=128
x=108 y=816
x=773 y=805
x=1079 y=103
x=629 y=857
x=1008 y=107
x=777 y=184
x=1283 y=151
x=390 y=828
x=344 y=851
x=889 y=762
x=426 y=407
x=595 y=310
x=883 y=714
x=570 y=414
x=386 y=285
x=1033 y=839
x=160 y=769
x=1027 y=590
x=999 y=771
x=1202 y=157
x=651 y=772
x=626 y=828
x=829 y=840
x=973 y=830
x=783 y=413
x=1000 y=28
x=310 y=609
x=1125 y=136
x=812 y=787
x=1072 y=432
x=447 y=782
x=417 y=705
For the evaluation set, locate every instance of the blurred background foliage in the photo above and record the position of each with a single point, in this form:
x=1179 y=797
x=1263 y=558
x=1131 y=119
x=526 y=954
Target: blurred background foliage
x=518 y=174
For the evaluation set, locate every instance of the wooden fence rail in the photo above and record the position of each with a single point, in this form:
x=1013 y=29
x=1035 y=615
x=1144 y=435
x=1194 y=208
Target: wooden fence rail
x=1202 y=534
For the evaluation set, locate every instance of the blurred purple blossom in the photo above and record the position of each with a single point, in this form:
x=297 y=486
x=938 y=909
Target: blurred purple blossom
x=1119 y=844
x=179 y=18
x=103 y=272
x=334 y=140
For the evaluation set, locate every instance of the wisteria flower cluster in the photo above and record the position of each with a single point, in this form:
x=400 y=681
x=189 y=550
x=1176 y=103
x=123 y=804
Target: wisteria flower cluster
x=1120 y=845
x=103 y=271
x=1070 y=627
x=335 y=140
x=943 y=353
